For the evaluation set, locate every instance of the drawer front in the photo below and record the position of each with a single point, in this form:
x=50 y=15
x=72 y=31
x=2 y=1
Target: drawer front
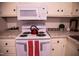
x=7 y=42
x=8 y=50
x=58 y=40
x=55 y=41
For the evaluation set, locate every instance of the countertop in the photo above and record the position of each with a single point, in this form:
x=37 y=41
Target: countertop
x=14 y=33
x=66 y=34
x=61 y=33
x=9 y=34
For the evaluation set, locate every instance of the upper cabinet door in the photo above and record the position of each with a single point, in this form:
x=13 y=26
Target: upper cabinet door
x=61 y=9
x=65 y=9
x=8 y=9
x=53 y=9
x=75 y=9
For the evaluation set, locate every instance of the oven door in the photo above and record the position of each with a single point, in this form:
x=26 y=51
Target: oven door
x=21 y=48
x=45 y=48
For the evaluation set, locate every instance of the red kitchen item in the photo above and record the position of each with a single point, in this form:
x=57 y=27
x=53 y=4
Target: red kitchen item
x=34 y=29
x=30 y=48
x=36 y=48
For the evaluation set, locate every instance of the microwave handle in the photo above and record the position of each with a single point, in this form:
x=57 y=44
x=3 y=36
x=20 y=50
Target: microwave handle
x=41 y=45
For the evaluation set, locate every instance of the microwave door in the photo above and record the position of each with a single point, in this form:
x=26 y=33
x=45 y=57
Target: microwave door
x=29 y=14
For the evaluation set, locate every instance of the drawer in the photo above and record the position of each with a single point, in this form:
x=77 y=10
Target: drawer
x=57 y=40
x=7 y=50
x=7 y=42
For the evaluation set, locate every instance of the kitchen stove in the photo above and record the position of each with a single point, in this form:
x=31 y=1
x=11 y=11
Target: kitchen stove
x=25 y=34
x=28 y=44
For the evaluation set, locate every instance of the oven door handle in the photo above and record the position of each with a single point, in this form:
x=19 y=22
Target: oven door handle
x=41 y=45
x=25 y=47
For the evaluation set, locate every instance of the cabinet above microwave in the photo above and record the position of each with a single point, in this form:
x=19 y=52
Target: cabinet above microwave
x=31 y=12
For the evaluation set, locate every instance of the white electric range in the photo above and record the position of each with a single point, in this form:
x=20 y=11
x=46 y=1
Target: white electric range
x=28 y=44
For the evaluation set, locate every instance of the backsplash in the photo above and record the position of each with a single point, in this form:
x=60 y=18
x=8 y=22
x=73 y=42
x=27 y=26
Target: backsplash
x=51 y=22
x=11 y=22
x=54 y=22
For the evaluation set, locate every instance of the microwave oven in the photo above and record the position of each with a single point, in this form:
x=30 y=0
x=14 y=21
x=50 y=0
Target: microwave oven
x=30 y=12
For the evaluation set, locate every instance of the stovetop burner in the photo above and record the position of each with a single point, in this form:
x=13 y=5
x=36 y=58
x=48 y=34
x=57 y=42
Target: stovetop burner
x=39 y=34
x=23 y=35
x=27 y=33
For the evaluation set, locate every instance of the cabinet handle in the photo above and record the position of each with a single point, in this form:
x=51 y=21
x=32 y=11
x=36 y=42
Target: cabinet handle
x=6 y=43
x=76 y=10
x=57 y=41
x=6 y=50
x=43 y=8
x=14 y=9
x=57 y=10
x=61 y=10
x=53 y=49
x=77 y=49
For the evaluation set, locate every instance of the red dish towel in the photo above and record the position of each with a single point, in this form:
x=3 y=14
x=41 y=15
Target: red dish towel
x=30 y=48
x=36 y=48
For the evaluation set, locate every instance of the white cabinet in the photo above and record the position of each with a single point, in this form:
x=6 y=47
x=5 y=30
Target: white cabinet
x=58 y=46
x=75 y=9
x=55 y=9
x=72 y=49
x=7 y=42
x=8 y=9
x=7 y=47
x=59 y=9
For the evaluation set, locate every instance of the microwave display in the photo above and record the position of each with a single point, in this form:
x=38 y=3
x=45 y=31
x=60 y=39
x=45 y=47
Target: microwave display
x=27 y=13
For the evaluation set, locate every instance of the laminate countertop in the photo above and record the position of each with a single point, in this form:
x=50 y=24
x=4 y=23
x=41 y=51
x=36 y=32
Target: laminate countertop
x=9 y=34
x=62 y=34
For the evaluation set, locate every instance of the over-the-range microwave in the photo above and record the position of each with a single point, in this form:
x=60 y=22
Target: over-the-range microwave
x=31 y=12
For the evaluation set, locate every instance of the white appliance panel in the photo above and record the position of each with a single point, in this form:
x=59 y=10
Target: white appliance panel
x=31 y=11
x=44 y=49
